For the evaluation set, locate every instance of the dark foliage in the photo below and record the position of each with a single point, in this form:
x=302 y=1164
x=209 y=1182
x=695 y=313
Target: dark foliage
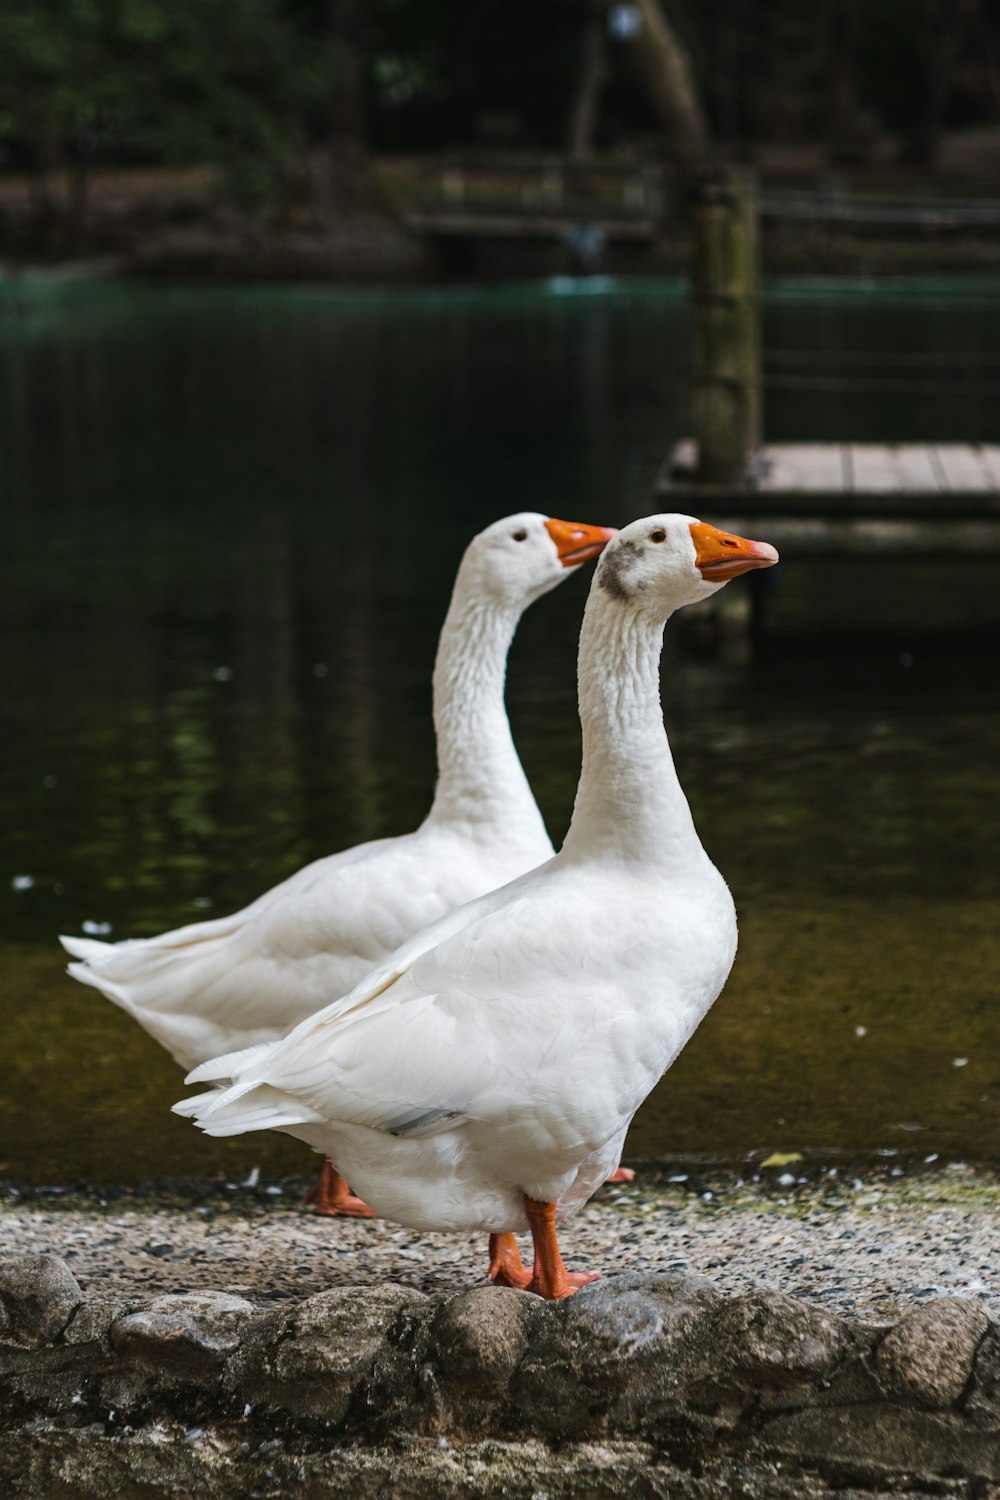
x=249 y=84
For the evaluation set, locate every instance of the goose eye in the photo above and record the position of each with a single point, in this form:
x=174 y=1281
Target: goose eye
x=520 y=536
x=658 y=536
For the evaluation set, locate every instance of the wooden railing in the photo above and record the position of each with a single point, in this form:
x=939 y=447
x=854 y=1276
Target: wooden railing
x=526 y=195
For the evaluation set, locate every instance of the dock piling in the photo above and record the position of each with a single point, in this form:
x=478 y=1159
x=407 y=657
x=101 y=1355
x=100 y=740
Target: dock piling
x=726 y=395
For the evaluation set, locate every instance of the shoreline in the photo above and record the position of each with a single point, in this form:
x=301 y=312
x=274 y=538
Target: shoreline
x=406 y=260
x=821 y=1341
x=868 y=1245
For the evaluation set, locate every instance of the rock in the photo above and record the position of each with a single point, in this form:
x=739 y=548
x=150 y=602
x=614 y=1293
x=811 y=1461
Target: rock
x=880 y=1442
x=619 y=1355
x=770 y=1337
x=928 y=1357
x=93 y=1319
x=352 y=1346
x=477 y=1340
x=635 y=1352
x=84 y=1464
x=983 y=1400
x=39 y=1295
x=636 y=1359
x=190 y=1330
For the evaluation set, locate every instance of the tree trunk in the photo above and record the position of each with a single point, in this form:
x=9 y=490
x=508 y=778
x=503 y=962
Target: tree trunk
x=591 y=74
x=78 y=198
x=664 y=70
x=44 y=209
x=349 y=189
x=940 y=50
x=845 y=133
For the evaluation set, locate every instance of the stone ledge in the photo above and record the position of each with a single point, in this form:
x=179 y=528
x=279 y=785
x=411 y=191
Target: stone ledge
x=760 y=1380
x=214 y=1465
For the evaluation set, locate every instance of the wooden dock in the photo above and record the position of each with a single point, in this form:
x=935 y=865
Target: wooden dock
x=530 y=198
x=913 y=497
x=885 y=498
x=446 y=222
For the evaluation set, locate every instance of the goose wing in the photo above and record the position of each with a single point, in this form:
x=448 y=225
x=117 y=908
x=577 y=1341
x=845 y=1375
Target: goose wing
x=466 y=1022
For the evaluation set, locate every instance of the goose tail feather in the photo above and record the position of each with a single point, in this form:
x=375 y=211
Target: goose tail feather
x=88 y=950
x=86 y=975
x=229 y=1066
x=245 y=1107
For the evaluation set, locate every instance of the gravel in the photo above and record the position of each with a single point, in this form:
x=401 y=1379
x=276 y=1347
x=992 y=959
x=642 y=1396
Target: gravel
x=869 y=1246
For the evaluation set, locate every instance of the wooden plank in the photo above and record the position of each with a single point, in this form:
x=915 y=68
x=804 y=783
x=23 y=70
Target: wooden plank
x=916 y=468
x=990 y=455
x=847 y=464
x=486 y=225
x=916 y=483
x=940 y=473
x=964 y=467
x=873 y=472
x=879 y=468
x=801 y=466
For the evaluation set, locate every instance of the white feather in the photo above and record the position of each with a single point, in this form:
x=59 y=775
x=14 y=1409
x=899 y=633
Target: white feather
x=522 y=1032
x=223 y=986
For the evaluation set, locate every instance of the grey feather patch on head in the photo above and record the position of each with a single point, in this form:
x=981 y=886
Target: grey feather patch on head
x=615 y=566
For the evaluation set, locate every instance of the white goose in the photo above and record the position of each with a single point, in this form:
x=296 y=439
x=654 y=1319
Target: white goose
x=485 y=1076
x=248 y=978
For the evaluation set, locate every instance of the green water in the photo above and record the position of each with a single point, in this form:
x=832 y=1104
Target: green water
x=230 y=518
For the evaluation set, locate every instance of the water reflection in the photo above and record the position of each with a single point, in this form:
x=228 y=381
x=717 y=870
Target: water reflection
x=231 y=522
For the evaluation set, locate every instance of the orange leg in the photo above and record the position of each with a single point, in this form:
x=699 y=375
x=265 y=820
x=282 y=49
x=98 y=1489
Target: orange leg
x=506 y=1268
x=623 y=1174
x=332 y=1196
x=550 y=1279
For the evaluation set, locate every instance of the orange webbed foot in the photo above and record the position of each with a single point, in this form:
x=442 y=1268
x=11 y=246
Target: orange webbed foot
x=577 y=1279
x=548 y=1278
x=623 y=1174
x=506 y=1267
x=565 y=1286
x=348 y=1207
x=333 y=1198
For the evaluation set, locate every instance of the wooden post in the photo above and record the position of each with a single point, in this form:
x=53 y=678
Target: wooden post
x=726 y=396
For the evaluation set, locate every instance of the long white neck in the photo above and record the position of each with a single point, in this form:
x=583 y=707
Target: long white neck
x=480 y=779
x=629 y=805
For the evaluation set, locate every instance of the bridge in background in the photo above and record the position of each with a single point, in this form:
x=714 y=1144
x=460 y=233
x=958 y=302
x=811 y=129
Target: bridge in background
x=539 y=197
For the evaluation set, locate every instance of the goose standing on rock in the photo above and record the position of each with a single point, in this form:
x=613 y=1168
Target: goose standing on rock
x=484 y=1077
x=249 y=978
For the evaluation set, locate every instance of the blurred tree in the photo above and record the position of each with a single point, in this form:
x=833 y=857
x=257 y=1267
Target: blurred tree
x=591 y=73
x=178 y=80
x=247 y=84
x=445 y=72
x=945 y=49
x=348 y=187
x=844 y=131
x=665 y=74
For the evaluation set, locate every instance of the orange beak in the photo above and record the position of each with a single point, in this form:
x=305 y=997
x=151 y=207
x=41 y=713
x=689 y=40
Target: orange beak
x=576 y=542
x=720 y=555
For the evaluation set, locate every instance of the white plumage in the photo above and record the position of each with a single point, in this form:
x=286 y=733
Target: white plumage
x=490 y=1068
x=248 y=978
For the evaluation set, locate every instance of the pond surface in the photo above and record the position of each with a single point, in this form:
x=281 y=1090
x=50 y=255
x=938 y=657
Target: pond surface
x=230 y=521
